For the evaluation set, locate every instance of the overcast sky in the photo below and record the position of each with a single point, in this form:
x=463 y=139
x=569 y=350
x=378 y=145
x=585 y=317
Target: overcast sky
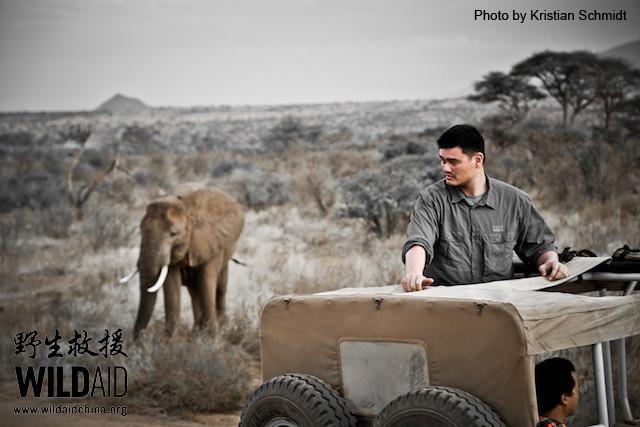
x=74 y=54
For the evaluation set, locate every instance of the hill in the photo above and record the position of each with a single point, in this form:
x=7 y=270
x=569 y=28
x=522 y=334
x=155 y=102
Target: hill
x=629 y=51
x=122 y=105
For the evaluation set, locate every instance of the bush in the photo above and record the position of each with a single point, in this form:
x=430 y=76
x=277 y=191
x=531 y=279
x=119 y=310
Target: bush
x=17 y=139
x=195 y=373
x=315 y=184
x=288 y=132
x=260 y=190
x=242 y=330
x=32 y=189
x=383 y=200
x=110 y=227
x=139 y=139
x=56 y=221
x=142 y=177
x=225 y=167
x=400 y=145
x=160 y=171
x=425 y=169
x=121 y=189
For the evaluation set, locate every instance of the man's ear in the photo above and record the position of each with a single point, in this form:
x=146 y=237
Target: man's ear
x=564 y=399
x=479 y=159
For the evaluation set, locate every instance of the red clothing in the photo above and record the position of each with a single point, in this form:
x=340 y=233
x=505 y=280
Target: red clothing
x=549 y=422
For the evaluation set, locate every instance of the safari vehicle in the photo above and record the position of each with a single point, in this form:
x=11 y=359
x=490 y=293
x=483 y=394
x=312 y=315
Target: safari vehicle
x=443 y=356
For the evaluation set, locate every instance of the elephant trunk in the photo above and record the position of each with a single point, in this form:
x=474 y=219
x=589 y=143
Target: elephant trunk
x=145 y=310
x=151 y=266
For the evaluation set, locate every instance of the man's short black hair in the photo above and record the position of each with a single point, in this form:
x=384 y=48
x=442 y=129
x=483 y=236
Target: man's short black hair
x=466 y=137
x=553 y=379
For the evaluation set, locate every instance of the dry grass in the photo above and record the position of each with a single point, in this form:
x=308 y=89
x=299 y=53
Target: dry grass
x=295 y=253
x=189 y=373
x=599 y=227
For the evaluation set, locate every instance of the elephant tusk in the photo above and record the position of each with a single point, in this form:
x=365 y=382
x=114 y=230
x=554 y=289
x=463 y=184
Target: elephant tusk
x=161 y=279
x=125 y=279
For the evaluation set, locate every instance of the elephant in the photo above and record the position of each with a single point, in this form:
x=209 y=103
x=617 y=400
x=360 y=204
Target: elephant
x=187 y=239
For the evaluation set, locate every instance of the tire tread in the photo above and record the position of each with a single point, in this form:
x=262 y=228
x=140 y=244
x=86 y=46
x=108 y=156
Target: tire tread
x=467 y=407
x=323 y=405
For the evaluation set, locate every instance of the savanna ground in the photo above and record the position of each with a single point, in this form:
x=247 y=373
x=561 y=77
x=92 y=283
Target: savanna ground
x=327 y=191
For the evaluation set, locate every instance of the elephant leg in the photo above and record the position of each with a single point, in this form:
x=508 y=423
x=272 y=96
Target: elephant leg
x=195 y=304
x=221 y=293
x=207 y=282
x=171 y=290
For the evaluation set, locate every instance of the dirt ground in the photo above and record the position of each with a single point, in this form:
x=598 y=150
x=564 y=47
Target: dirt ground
x=9 y=400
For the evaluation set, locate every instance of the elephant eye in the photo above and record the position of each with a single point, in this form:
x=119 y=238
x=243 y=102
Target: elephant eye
x=173 y=233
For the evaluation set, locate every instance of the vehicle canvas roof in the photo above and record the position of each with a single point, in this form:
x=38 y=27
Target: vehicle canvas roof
x=551 y=320
x=479 y=338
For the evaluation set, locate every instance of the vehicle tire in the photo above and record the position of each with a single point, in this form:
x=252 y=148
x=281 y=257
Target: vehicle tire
x=437 y=407
x=295 y=400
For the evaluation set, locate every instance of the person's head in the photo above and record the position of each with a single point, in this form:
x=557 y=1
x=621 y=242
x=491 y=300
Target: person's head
x=556 y=386
x=461 y=151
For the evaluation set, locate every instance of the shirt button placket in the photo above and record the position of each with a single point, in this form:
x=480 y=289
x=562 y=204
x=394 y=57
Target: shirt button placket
x=472 y=244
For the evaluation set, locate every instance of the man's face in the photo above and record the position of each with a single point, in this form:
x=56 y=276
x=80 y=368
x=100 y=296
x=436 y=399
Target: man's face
x=572 y=401
x=459 y=168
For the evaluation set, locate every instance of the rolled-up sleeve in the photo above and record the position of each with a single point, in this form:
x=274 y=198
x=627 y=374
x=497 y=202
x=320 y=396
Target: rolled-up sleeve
x=423 y=227
x=535 y=237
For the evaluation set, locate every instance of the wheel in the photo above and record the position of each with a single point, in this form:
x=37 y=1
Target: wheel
x=437 y=407
x=295 y=400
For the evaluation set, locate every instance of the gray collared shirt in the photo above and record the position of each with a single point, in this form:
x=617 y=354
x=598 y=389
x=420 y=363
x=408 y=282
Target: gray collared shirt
x=467 y=243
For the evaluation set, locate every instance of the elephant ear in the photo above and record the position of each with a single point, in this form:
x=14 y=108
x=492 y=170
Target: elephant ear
x=216 y=223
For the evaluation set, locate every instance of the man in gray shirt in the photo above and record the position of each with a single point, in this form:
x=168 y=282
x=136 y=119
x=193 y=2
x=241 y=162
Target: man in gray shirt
x=464 y=228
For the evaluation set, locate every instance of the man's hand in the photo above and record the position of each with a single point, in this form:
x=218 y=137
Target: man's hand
x=413 y=279
x=553 y=270
x=415 y=282
x=550 y=267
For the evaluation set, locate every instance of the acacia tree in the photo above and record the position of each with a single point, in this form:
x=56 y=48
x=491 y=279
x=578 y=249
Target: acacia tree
x=617 y=83
x=512 y=92
x=569 y=77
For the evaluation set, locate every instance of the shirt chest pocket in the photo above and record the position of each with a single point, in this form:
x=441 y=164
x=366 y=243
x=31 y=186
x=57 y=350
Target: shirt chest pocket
x=498 y=255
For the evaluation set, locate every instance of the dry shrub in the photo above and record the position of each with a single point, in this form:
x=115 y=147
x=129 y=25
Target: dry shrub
x=384 y=259
x=384 y=201
x=194 y=373
x=342 y=135
x=9 y=271
x=111 y=227
x=601 y=227
x=314 y=184
x=192 y=166
x=512 y=164
x=343 y=163
x=242 y=329
x=290 y=132
x=402 y=145
x=226 y=167
x=161 y=171
x=259 y=189
x=121 y=190
x=12 y=228
x=91 y=306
